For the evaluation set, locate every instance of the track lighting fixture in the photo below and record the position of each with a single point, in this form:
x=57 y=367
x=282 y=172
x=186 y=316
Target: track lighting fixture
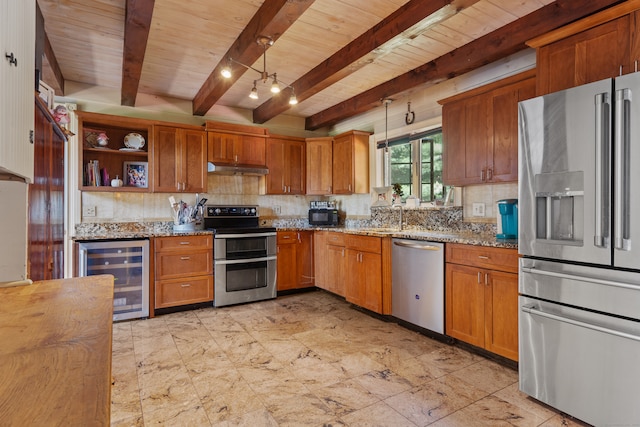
x=265 y=76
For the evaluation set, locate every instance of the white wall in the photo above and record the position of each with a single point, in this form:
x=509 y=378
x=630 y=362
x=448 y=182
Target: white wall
x=245 y=190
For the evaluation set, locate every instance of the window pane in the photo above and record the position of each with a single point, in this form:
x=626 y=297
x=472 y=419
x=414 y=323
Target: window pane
x=401 y=153
x=401 y=173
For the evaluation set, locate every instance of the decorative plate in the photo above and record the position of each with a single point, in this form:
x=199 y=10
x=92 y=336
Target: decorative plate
x=135 y=141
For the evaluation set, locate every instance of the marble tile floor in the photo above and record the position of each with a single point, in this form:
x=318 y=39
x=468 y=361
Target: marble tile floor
x=305 y=360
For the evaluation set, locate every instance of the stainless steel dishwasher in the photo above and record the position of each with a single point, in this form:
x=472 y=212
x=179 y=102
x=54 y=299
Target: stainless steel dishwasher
x=417 y=294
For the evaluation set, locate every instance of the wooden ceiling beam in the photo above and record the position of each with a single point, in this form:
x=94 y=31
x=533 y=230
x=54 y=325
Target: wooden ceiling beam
x=272 y=19
x=58 y=87
x=498 y=44
x=362 y=51
x=136 y=33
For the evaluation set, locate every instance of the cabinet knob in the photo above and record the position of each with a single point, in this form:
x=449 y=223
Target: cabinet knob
x=479 y=278
x=486 y=279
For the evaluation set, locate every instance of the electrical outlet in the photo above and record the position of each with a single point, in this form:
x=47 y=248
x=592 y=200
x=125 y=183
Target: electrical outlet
x=276 y=210
x=478 y=209
x=89 y=211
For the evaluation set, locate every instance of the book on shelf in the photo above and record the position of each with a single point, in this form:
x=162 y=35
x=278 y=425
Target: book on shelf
x=94 y=175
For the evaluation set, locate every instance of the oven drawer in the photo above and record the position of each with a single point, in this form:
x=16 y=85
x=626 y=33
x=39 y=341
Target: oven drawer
x=183 y=243
x=191 y=290
x=171 y=265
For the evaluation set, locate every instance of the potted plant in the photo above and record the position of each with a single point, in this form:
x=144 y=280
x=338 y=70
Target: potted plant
x=397 y=193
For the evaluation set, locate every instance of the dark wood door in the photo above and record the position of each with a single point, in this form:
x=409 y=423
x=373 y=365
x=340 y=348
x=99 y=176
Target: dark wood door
x=46 y=199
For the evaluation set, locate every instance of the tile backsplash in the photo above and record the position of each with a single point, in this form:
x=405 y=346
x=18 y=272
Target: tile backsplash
x=245 y=190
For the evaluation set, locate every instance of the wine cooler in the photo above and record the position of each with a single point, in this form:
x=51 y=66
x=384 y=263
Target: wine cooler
x=128 y=262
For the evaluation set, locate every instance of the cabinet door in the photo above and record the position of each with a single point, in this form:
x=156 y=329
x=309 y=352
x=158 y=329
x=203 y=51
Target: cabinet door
x=335 y=261
x=220 y=147
x=343 y=165
x=501 y=317
x=166 y=155
x=183 y=291
x=275 y=162
x=287 y=266
x=465 y=132
x=320 y=259
x=465 y=311
x=372 y=281
x=295 y=167
x=251 y=150
x=194 y=161
x=589 y=56
x=503 y=151
x=319 y=166
x=305 y=259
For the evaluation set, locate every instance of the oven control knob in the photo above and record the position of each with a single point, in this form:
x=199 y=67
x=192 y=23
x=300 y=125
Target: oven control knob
x=217 y=211
x=253 y=211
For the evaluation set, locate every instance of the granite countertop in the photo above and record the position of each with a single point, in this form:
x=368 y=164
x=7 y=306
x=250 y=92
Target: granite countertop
x=130 y=230
x=463 y=237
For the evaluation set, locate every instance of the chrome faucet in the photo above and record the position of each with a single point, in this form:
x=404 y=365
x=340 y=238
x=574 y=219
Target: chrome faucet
x=401 y=215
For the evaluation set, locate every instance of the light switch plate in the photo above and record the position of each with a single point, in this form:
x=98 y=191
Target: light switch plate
x=478 y=209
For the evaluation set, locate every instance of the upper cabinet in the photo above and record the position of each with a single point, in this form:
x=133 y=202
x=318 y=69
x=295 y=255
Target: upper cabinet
x=179 y=159
x=604 y=45
x=319 y=166
x=17 y=39
x=480 y=132
x=338 y=165
x=286 y=162
x=109 y=147
x=231 y=144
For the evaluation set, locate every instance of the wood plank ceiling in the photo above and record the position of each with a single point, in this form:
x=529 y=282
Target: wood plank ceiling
x=342 y=57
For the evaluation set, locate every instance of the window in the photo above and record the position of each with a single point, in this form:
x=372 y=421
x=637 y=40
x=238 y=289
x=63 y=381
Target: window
x=416 y=164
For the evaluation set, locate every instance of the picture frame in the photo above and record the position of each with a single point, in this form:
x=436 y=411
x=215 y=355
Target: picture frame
x=136 y=174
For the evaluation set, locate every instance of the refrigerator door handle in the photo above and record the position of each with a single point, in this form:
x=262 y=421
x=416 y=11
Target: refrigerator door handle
x=601 y=232
x=621 y=185
x=533 y=309
x=614 y=283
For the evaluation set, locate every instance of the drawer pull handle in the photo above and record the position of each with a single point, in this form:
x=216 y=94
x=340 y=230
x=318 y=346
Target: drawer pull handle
x=185 y=258
x=483 y=257
x=186 y=285
x=479 y=277
x=286 y=237
x=185 y=243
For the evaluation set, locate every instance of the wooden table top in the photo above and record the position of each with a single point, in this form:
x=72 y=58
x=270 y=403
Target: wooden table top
x=55 y=352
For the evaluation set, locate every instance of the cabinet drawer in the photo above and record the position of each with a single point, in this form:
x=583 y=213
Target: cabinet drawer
x=334 y=238
x=190 y=290
x=183 y=243
x=173 y=264
x=364 y=243
x=285 y=237
x=486 y=257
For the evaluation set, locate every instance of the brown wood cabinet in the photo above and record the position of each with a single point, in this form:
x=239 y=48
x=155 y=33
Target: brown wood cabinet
x=592 y=54
x=351 y=163
x=232 y=144
x=363 y=284
x=46 y=199
x=286 y=162
x=480 y=132
x=482 y=297
x=112 y=156
x=179 y=159
x=295 y=260
x=319 y=165
x=330 y=261
x=183 y=270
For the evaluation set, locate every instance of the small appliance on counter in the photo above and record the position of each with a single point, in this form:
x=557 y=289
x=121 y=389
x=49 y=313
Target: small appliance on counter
x=507 y=219
x=323 y=213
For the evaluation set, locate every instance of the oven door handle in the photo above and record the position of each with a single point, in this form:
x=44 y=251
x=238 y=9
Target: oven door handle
x=532 y=309
x=242 y=235
x=533 y=270
x=245 y=260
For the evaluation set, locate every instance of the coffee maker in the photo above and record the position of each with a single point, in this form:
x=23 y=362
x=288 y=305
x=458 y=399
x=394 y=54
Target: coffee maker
x=507 y=219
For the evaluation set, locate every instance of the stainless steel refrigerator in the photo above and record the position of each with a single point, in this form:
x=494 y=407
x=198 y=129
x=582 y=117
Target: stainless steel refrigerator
x=579 y=282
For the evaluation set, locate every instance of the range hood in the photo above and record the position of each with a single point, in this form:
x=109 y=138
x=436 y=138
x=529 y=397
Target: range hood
x=238 y=169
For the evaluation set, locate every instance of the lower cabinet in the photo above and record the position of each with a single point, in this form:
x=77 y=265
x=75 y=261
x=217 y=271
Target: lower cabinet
x=482 y=297
x=356 y=267
x=295 y=260
x=183 y=270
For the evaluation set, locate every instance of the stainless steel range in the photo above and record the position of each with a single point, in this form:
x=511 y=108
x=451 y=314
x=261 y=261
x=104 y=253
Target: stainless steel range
x=245 y=257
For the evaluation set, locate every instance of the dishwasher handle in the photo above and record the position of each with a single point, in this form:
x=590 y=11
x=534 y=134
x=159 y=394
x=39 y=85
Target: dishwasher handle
x=417 y=246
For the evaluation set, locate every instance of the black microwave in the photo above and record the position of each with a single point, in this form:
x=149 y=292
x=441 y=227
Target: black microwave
x=322 y=216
